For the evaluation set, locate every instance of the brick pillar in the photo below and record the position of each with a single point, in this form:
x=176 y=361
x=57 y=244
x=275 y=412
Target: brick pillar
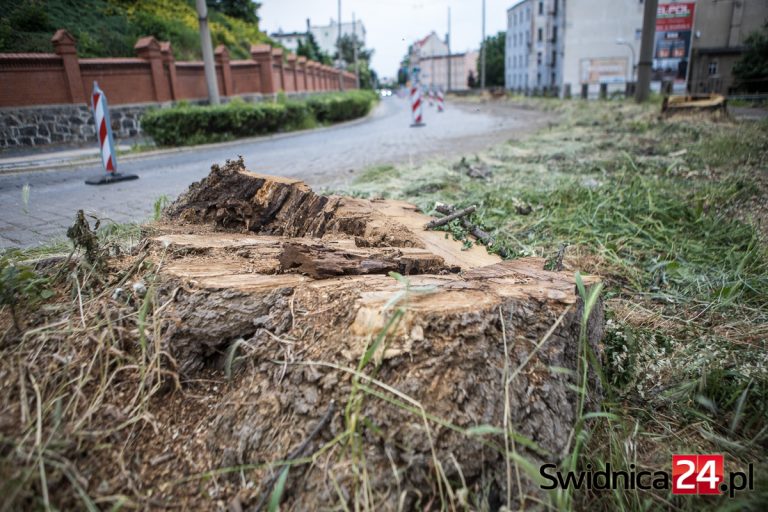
x=279 y=68
x=262 y=55
x=64 y=46
x=148 y=48
x=584 y=91
x=303 y=84
x=603 y=91
x=169 y=62
x=312 y=70
x=290 y=73
x=222 y=62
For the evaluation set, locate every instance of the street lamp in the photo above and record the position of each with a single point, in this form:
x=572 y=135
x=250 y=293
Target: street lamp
x=622 y=42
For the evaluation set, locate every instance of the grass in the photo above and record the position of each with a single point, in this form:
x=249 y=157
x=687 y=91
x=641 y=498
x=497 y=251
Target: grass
x=669 y=213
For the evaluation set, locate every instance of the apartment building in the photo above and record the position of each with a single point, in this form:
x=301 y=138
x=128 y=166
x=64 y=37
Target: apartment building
x=534 y=44
x=720 y=29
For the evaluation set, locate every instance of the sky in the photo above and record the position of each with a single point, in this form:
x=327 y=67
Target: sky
x=392 y=25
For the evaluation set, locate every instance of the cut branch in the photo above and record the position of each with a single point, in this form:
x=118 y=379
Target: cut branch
x=445 y=220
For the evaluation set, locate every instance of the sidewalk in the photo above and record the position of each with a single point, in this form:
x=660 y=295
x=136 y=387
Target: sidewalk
x=36 y=157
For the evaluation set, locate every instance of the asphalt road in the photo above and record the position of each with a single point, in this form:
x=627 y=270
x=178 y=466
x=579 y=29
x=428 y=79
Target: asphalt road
x=324 y=158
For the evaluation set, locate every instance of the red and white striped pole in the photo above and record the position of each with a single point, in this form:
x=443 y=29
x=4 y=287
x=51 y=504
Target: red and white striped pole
x=440 y=105
x=416 y=106
x=106 y=142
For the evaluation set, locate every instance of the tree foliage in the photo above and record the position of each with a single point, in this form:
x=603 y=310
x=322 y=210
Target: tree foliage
x=752 y=68
x=347 y=44
x=110 y=28
x=494 y=60
x=312 y=51
x=245 y=10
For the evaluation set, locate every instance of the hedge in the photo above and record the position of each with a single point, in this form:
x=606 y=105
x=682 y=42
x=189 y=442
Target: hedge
x=186 y=124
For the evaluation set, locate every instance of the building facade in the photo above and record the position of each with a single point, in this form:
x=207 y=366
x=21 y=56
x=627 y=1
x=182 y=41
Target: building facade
x=720 y=29
x=602 y=42
x=434 y=71
x=326 y=35
x=431 y=55
x=290 y=40
x=552 y=43
x=534 y=45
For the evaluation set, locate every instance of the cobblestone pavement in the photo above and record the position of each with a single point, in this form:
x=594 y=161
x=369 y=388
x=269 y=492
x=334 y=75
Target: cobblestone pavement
x=328 y=157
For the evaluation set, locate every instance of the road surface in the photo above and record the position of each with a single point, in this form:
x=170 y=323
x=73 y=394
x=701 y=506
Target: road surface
x=325 y=158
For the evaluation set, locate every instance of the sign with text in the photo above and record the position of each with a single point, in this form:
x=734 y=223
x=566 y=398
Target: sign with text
x=603 y=70
x=672 y=45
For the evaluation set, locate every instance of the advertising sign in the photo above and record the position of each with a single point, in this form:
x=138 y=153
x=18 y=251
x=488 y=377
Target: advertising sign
x=603 y=70
x=672 y=47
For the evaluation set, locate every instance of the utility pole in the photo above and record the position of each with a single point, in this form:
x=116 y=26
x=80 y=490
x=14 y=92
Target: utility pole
x=341 y=58
x=354 y=51
x=646 y=51
x=482 y=54
x=448 y=43
x=205 y=42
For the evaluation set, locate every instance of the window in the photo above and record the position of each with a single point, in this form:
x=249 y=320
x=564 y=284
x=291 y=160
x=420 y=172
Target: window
x=554 y=9
x=554 y=58
x=528 y=14
x=541 y=8
x=712 y=69
x=552 y=82
x=538 y=58
x=554 y=34
x=541 y=35
x=538 y=78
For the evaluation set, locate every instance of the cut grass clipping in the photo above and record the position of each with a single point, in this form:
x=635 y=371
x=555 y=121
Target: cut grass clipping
x=671 y=214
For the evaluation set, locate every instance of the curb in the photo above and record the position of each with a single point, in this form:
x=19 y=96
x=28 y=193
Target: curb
x=182 y=149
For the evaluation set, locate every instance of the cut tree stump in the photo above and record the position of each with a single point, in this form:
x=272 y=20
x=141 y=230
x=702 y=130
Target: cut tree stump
x=302 y=280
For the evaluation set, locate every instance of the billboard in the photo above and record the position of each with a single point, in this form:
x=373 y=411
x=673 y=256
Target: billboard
x=672 y=45
x=603 y=70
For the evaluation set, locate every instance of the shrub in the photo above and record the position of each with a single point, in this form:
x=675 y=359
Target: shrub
x=184 y=124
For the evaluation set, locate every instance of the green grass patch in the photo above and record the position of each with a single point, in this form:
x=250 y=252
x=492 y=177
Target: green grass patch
x=669 y=213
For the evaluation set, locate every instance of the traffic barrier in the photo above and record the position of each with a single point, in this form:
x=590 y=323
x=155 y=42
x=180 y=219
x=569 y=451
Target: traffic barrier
x=106 y=141
x=440 y=101
x=416 y=106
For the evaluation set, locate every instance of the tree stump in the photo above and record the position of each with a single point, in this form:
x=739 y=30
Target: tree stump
x=302 y=279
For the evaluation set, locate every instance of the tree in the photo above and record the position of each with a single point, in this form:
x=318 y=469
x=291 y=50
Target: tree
x=311 y=50
x=494 y=59
x=348 y=43
x=367 y=75
x=751 y=70
x=245 y=10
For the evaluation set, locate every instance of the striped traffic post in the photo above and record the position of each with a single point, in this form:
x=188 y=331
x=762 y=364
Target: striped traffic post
x=440 y=105
x=106 y=142
x=416 y=104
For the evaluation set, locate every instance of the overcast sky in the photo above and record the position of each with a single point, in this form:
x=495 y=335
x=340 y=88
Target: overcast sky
x=391 y=25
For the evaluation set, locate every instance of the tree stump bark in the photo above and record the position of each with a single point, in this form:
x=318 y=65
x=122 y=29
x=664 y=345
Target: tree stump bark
x=302 y=280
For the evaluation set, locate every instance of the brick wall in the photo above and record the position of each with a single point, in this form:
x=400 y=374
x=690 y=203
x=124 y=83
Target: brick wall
x=153 y=75
x=44 y=98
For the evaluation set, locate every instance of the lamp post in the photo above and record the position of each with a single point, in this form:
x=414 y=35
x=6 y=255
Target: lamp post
x=620 y=41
